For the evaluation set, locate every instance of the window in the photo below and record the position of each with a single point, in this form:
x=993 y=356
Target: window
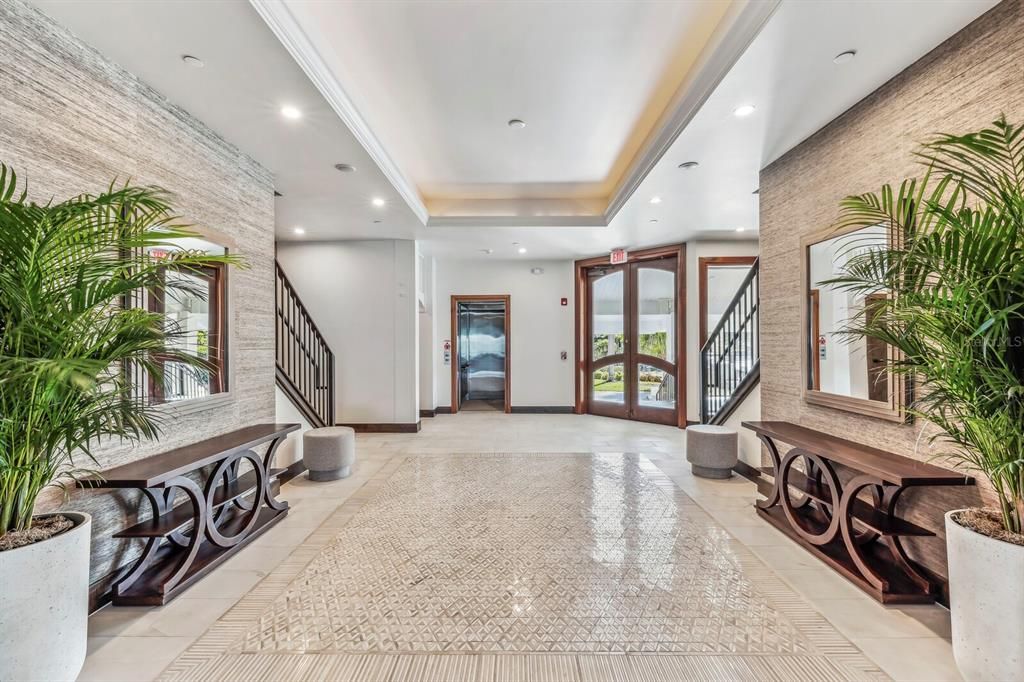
x=194 y=305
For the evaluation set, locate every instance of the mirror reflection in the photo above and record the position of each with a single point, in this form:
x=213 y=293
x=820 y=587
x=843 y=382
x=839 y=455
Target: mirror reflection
x=853 y=368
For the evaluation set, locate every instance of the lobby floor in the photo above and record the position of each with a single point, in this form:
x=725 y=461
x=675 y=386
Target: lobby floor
x=521 y=547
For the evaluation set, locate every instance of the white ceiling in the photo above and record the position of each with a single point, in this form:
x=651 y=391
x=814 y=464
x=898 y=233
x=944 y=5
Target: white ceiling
x=438 y=82
x=787 y=73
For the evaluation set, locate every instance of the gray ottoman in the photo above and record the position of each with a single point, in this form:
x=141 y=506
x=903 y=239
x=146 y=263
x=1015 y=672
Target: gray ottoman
x=329 y=453
x=711 y=450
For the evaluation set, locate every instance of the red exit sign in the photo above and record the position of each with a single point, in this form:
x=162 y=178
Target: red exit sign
x=618 y=256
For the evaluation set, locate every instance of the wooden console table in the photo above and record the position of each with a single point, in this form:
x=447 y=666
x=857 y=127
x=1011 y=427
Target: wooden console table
x=185 y=542
x=861 y=540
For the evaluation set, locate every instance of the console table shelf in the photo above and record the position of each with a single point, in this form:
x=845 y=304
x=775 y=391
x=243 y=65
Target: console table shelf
x=859 y=539
x=224 y=509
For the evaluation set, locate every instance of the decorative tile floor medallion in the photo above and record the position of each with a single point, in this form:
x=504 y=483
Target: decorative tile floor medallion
x=564 y=557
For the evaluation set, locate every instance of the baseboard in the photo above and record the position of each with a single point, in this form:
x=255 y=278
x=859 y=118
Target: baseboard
x=690 y=422
x=443 y=409
x=543 y=409
x=746 y=471
x=385 y=428
x=291 y=471
x=426 y=414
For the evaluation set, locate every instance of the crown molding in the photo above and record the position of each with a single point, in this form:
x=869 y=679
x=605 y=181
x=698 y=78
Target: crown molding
x=282 y=22
x=730 y=40
x=596 y=220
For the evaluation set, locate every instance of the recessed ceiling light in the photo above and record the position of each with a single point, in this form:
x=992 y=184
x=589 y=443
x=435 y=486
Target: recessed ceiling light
x=655 y=200
x=517 y=123
x=741 y=229
x=653 y=220
x=299 y=230
x=686 y=165
x=345 y=167
x=744 y=110
x=194 y=62
x=378 y=202
x=522 y=249
x=536 y=271
x=291 y=112
x=378 y=221
x=487 y=251
x=845 y=57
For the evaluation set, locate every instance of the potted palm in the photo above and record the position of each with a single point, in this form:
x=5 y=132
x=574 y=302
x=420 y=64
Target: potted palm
x=955 y=270
x=69 y=342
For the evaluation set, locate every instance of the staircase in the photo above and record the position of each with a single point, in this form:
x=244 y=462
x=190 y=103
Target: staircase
x=730 y=360
x=305 y=363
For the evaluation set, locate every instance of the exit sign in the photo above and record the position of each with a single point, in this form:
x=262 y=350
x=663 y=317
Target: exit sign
x=618 y=256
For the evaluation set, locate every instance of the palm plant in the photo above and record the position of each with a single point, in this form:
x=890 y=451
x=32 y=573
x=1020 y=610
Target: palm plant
x=70 y=338
x=955 y=314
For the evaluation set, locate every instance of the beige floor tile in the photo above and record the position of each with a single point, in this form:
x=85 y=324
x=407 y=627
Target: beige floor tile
x=863 y=617
x=821 y=583
x=132 y=659
x=224 y=583
x=926 y=659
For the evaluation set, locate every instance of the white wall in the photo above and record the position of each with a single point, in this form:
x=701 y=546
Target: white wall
x=541 y=327
x=748 y=410
x=362 y=295
x=694 y=251
x=427 y=332
x=290 y=451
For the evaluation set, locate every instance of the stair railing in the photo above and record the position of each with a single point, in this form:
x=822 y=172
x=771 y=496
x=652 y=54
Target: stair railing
x=305 y=363
x=730 y=359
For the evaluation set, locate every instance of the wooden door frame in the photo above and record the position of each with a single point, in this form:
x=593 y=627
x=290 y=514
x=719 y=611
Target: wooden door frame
x=703 y=264
x=582 y=344
x=480 y=298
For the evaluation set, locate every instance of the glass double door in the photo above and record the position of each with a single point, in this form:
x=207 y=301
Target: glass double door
x=633 y=328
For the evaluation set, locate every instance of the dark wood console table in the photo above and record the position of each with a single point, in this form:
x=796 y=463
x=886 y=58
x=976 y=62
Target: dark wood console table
x=862 y=540
x=185 y=542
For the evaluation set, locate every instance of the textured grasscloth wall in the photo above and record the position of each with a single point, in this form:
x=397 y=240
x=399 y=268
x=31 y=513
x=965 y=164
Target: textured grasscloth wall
x=71 y=121
x=963 y=84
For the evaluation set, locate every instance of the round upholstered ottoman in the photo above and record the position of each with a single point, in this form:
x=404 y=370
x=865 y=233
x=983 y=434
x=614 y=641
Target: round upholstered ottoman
x=711 y=450
x=329 y=453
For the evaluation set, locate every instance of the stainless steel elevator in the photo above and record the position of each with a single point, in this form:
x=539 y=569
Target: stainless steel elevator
x=481 y=347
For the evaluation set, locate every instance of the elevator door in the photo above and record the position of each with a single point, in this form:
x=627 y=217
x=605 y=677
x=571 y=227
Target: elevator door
x=481 y=346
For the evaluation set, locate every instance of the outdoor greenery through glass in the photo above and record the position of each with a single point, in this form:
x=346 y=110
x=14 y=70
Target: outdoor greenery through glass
x=67 y=335
x=956 y=312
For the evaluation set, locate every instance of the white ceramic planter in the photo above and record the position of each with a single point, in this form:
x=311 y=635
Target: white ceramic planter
x=986 y=604
x=44 y=606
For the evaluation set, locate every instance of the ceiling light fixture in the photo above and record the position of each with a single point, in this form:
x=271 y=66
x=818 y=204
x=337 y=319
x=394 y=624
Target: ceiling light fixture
x=655 y=200
x=378 y=221
x=487 y=252
x=741 y=229
x=291 y=112
x=845 y=57
x=345 y=168
x=194 y=62
x=522 y=249
x=744 y=110
x=536 y=271
x=653 y=220
x=517 y=123
x=299 y=231
x=687 y=165
x=378 y=202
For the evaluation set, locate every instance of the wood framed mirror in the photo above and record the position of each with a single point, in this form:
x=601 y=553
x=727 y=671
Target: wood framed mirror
x=841 y=373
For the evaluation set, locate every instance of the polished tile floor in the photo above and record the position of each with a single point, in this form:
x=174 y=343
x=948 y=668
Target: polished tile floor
x=461 y=554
